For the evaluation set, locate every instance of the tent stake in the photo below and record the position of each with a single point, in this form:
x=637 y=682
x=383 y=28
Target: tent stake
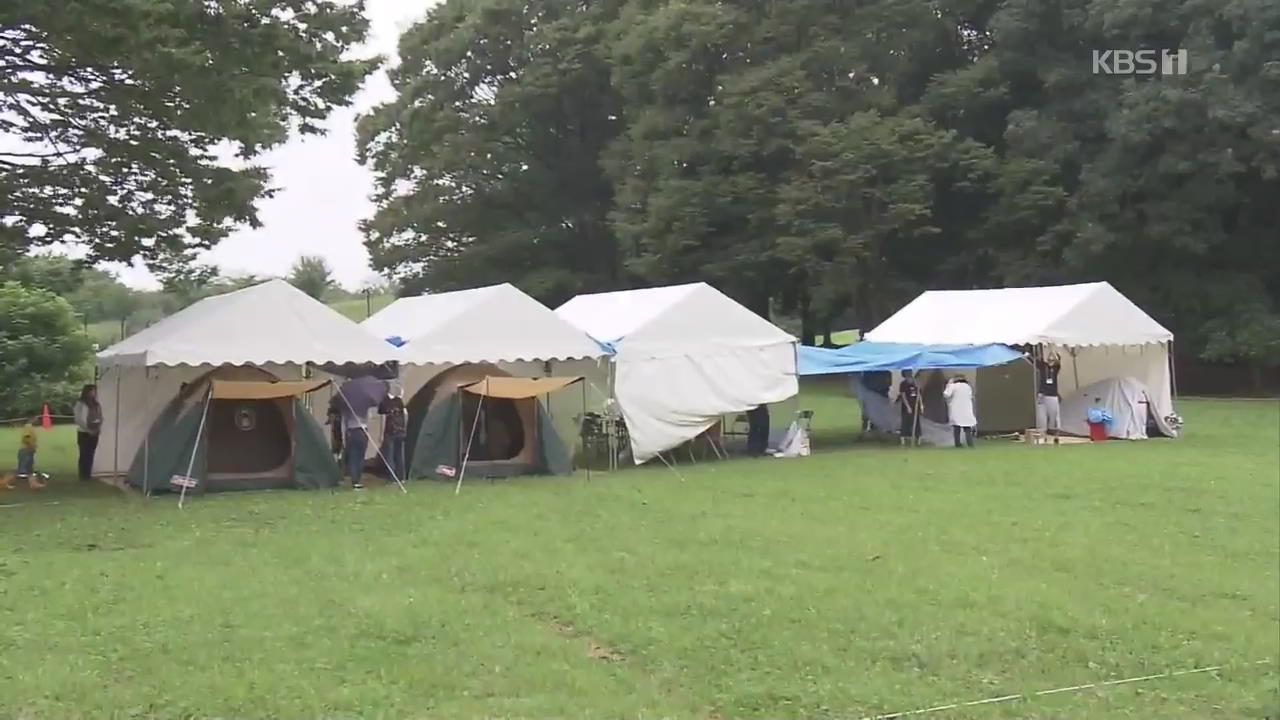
x=195 y=448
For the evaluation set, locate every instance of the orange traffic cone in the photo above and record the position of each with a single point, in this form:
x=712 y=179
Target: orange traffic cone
x=46 y=420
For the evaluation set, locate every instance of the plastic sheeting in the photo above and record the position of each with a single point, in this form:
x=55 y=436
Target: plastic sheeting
x=886 y=416
x=874 y=356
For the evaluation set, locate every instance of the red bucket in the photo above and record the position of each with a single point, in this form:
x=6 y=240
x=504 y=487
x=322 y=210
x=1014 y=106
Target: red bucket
x=1097 y=431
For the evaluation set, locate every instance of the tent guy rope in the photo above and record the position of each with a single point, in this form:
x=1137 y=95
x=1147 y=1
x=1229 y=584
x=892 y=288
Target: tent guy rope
x=1058 y=691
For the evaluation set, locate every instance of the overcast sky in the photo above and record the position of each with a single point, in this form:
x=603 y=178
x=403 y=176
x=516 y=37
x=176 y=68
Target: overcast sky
x=323 y=191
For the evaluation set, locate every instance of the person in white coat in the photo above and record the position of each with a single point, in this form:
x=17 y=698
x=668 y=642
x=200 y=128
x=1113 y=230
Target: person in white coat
x=959 y=397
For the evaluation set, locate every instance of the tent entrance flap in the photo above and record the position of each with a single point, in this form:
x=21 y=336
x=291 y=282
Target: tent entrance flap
x=517 y=388
x=251 y=390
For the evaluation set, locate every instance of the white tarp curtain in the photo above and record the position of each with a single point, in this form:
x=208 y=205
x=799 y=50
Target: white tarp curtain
x=886 y=416
x=269 y=323
x=1098 y=332
x=1126 y=398
x=668 y=401
x=685 y=356
x=493 y=324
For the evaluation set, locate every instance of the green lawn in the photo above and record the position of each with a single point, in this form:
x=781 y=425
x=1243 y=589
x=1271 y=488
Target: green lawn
x=356 y=308
x=862 y=580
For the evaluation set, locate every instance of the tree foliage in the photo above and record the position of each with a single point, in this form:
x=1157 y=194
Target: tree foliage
x=833 y=159
x=488 y=160
x=117 y=116
x=312 y=275
x=43 y=351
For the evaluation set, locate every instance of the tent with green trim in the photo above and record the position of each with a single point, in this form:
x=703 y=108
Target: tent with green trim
x=228 y=432
x=477 y=420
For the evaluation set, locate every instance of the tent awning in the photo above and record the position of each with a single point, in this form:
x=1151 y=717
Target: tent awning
x=514 y=388
x=874 y=356
x=249 y=390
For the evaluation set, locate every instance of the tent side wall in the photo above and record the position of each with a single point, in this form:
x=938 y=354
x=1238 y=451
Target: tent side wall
x=172 y=439
x=313 y=464
x=1004 y=399
x=437 y=440
x=1149 y=364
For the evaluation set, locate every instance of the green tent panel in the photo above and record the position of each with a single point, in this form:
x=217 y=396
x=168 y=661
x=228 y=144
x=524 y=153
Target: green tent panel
x=286 y=448
x=444 y=430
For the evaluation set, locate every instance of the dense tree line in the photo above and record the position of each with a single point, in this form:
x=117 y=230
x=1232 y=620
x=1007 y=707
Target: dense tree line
x=829 y=160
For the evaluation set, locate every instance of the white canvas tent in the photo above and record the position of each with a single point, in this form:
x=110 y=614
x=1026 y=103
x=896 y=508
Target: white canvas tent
x=271 y=326
x=496 y=325
x=685 y=355
x=1099 y=333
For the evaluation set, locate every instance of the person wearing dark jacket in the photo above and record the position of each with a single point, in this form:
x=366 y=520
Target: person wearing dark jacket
x=333 y=418
x=88 y=416
x=394 y=429
x=758 y=430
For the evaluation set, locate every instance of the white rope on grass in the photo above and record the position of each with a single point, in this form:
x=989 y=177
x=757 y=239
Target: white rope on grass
x=1055 y=691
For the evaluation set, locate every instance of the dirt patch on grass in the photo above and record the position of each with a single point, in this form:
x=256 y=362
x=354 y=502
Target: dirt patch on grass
x=595 y=649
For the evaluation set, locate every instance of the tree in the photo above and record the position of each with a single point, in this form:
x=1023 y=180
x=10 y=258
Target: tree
x=122 y=113
x=488 y=160
x=43 y=352
x=311 y=274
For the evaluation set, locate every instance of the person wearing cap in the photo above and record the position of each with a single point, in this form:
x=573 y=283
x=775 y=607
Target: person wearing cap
x=959 y=397
x=394 y=429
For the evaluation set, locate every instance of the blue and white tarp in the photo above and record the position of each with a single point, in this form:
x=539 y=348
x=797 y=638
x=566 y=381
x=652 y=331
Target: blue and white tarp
x=874 y=356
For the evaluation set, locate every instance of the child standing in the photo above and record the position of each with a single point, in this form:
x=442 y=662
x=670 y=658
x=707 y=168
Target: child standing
x=27 y=456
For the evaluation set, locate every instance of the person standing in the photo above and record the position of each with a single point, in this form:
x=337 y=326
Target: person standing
x=758 y=431
x=394 y=429
x=333 y=418
x=909 y=405
x=88 y=417
x=1048 y=402
x=355 y=437
x=959 y=397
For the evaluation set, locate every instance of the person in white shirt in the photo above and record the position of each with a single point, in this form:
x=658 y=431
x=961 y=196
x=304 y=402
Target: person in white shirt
x=959 y=397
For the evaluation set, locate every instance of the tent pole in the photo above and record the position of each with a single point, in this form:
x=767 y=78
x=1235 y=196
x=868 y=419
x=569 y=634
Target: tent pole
x=1075 y=368
x=146 y=433
x=474 y=423
x=670 y=466
x=585 y=460
x=1173 y=373
x=115 y=456
x=369 y=437
x=195 y=448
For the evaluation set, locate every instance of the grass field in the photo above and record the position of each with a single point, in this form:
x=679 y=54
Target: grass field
x=862 y=580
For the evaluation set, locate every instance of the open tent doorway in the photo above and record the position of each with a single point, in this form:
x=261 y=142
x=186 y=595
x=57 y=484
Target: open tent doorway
x=235 y=428
x=506 y=434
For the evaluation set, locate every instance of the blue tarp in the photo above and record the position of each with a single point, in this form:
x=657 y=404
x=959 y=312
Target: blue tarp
x=873 y=356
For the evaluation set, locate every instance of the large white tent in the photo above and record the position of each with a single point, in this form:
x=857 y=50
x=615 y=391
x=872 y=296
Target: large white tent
x=272 y=326
x=685 y=355
x=1099 y=333
x=497 y=325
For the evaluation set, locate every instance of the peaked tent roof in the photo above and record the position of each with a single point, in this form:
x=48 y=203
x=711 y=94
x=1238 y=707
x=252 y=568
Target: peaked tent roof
x=1070 y=315
x=675 y=317
x=269 y=323
x=497 y=323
